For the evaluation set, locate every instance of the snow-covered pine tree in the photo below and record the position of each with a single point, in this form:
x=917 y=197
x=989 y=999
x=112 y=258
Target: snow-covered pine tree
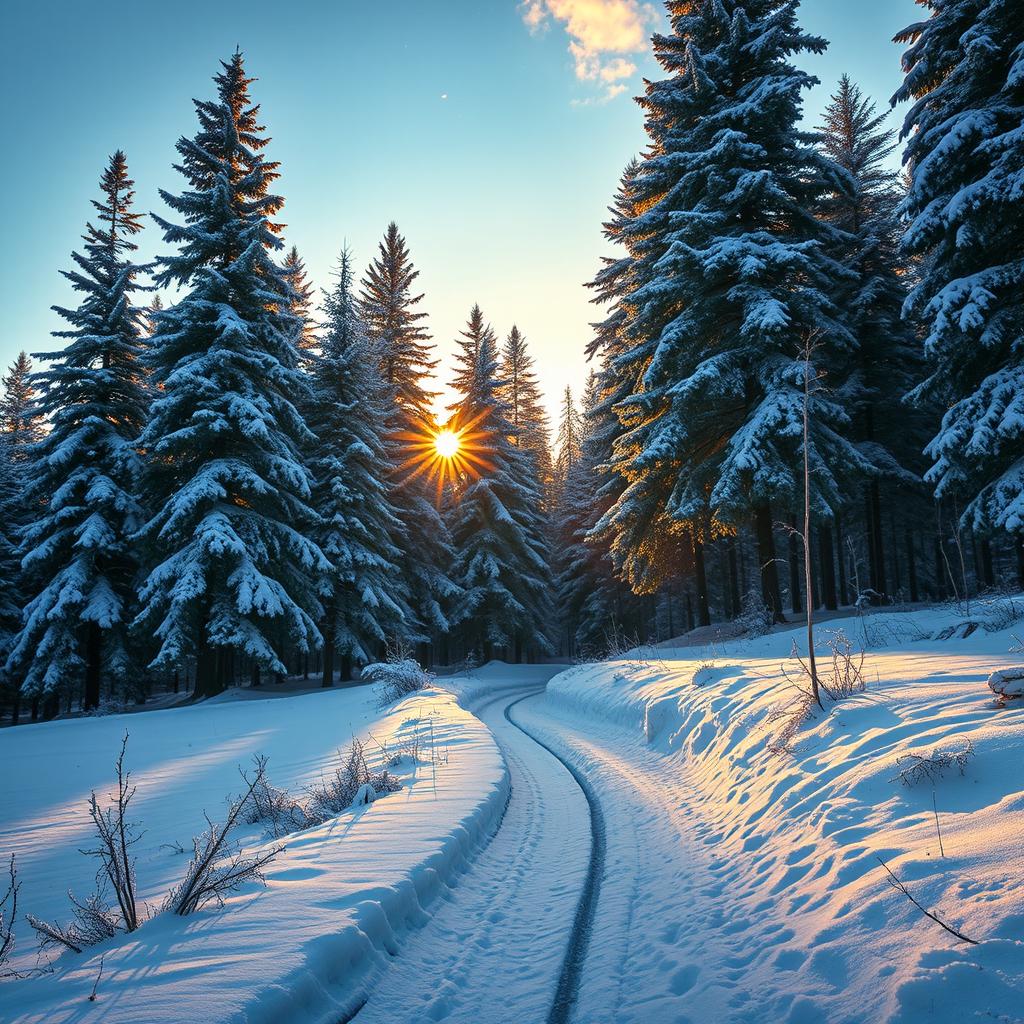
x=21 y=421
x=609 y=608
x=388 y=306
x=522 y=394
x=965 y=149
x=20 y=429
x=233 y=570
x=732 y=276
x=78 y=553
x=302 y=305
x=567 y=442
x=885 y=361
x=500 y=551
x=363 y=595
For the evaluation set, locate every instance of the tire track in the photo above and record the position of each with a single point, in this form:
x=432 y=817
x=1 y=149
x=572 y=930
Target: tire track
x=567 y=991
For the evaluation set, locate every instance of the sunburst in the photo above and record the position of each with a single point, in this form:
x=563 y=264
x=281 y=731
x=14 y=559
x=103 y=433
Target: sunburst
x=448 y=454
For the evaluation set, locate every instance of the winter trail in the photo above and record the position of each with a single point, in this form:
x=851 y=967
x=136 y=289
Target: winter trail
x=495 y=949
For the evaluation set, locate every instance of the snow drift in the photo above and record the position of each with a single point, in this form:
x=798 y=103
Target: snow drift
x=337 y=899
x=824 y=935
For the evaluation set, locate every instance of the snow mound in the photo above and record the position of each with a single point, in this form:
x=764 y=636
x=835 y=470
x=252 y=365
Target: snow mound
x=807 y=827
x=337 y=900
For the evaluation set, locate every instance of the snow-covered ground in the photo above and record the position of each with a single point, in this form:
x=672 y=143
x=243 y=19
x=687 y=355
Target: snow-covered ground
x=737 y=879
x=336 y=899
x=744 y=884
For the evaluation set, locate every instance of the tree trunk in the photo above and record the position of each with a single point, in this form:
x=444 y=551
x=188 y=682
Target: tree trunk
x=93 y=660
x=828 y=567
x=327 y=678
x=700 y=571
x=844 y=590
x=1019 y=544
x=879 y=544
x=912 y=567
x=770 y=592
x=794 y=568
x=940 y=571
x=734 y=582
x=519 y=650
x=254 y=678
x=16 y=710
x=208 y=669
x=987 y=569
x=345 y=673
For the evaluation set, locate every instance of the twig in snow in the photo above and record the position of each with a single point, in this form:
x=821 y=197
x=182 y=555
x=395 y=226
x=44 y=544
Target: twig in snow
x=935 y=807
x=96 y=983
x=900 y=887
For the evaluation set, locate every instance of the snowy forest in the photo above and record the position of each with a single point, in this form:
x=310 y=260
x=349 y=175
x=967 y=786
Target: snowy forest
x=251 y=481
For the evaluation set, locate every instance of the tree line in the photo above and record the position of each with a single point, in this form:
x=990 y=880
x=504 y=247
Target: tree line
x=242 y=485
x=745 y=243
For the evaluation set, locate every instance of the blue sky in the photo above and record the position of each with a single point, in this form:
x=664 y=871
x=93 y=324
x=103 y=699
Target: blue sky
x=492 y=131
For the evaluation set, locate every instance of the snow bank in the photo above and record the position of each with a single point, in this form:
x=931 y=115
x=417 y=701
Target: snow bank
x=336 y=901
x=805 y=829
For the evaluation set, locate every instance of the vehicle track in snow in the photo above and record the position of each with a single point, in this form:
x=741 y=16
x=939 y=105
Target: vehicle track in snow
x=507 y=941
x=567 y=992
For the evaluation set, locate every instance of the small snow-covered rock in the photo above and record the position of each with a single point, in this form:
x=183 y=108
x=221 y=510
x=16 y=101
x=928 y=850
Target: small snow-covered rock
x=1007 y=682
x=366 y=795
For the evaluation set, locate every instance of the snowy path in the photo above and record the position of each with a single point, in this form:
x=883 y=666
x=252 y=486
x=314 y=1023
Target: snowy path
x=495 y=950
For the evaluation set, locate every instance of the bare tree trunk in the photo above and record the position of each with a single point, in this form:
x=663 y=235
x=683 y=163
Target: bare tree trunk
x=327 y=677
x=812 y=664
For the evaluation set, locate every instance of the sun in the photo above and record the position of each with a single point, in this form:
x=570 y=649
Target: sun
x=449 y=455
x=447 y=444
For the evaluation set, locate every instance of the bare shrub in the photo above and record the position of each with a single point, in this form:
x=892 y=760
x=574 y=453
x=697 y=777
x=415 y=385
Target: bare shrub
x=845 y=677
x=702 y=673
x=915 y=768
x=337 y=792
x=218 y=866
x=276 y=808
x=396 y=679
x=94 y=921
x=116 y=836
x=1001 y=613
x=8 y=914
x=792 y=715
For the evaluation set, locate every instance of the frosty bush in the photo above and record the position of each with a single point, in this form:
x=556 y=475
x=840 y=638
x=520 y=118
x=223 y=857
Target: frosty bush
x=338 y=792
x=276 y=808
x=396 y=679
x=915 y=768
x=218 y=866
x=116 y=836
x=8 y=914
x=93 y=921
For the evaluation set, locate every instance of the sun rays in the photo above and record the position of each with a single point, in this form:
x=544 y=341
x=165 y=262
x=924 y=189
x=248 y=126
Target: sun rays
x=449 y=454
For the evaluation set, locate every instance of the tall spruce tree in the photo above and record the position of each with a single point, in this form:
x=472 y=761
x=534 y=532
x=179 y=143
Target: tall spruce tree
x=302 y=305
x=388 y=305
x=500 y=553
x=234 y=571
x=522 y=394
x=20 y=416
x=363 y=596
x=78 y=553
x=965 y=150
x=885 y=361
x=732 y=279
